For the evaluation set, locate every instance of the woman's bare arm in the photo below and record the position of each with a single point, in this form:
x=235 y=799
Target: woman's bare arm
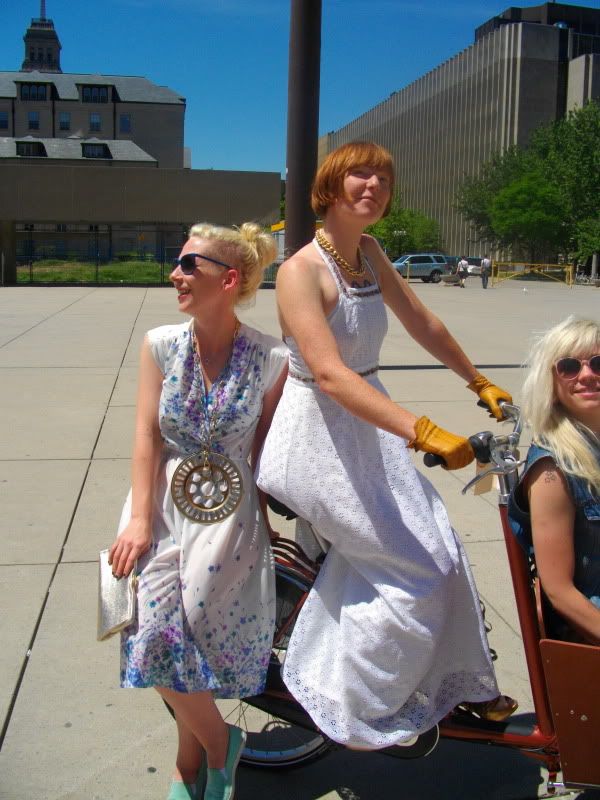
x=422 y=324
x=552 y=524
x=136 y=538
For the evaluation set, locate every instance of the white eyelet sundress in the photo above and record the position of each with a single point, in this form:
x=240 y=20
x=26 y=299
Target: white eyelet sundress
x=391 y=637
x=206 y=594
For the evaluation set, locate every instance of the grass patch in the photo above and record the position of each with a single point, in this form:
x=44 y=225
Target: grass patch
x=57 y=272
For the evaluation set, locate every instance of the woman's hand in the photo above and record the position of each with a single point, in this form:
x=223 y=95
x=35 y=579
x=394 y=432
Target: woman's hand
x=490 y=394
x=455 y=450
x=132 y=543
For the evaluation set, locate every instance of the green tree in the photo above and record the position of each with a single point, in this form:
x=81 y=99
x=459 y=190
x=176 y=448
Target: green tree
x=588 y=239
x=561 y=167
x=405 y=230
x=475 y=194
x=526 y=213
x=568 y=154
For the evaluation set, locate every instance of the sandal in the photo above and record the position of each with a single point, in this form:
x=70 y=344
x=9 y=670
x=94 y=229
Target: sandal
x=496 y=710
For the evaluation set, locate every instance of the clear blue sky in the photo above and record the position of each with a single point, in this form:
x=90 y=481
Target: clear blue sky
x=228 y=58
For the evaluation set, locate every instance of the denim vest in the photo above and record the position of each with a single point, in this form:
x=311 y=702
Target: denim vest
x=586 y=538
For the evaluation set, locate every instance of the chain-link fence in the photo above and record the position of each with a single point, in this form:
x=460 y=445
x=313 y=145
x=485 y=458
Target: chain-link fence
x=101 y=255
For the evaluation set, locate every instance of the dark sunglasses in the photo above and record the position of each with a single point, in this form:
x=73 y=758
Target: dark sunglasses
x=570 y=367
x=187 y=263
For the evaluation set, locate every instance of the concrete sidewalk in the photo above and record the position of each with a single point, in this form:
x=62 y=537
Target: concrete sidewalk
x=68 y=361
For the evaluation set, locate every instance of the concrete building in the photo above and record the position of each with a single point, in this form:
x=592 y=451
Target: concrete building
x=527 y=67
x=94 y=166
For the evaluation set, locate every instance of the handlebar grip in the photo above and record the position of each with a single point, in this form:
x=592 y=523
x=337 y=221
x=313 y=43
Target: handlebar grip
x=480 y=442
x=431 y=460
x=482 y=404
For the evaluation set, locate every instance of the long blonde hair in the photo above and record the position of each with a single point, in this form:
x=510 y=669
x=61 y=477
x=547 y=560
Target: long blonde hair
x=249 y=248
x=570 y=441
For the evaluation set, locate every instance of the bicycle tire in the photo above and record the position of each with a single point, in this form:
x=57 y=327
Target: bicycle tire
x=273 y=742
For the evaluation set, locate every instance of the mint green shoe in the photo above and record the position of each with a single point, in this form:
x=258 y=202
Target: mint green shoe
x=181 y=791
x=201 y=779
x=221 y=782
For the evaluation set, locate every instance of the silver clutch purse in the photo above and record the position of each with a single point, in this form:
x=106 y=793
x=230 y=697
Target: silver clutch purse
x=116 y=600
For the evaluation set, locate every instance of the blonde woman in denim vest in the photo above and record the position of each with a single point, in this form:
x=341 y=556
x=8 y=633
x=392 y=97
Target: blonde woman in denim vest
x=556 y=507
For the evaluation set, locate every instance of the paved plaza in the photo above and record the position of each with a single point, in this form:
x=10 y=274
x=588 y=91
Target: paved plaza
x=68 y=364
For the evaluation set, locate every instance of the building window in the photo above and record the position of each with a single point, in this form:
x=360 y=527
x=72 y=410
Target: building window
x=61 y=227
x=31 y=149
x=95 y=122
x=33 y=91
x=95 y=151
x=3 y=120
x=64 y=120
x=33 y=120
x=124 y=123
x=95 y=94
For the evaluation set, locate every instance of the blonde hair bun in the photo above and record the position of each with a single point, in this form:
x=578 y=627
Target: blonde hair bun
x=262 y=242
x=249 y=248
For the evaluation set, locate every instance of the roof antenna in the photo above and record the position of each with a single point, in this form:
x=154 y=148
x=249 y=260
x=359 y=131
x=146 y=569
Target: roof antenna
x=42 y=9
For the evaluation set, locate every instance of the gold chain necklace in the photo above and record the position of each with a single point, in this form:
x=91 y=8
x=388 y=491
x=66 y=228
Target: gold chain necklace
x=356 y=272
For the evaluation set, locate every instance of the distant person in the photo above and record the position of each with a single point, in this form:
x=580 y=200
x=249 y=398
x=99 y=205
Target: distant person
x=486 y=268
x=556 y=506
x=391 y=637
x=462 y=270
x=206 y=592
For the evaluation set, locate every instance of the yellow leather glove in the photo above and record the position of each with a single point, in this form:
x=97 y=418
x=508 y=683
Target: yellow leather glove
x=455 y=450
x=490 y=395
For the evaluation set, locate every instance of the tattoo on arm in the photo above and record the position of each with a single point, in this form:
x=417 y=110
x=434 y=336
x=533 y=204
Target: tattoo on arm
x=549 y=476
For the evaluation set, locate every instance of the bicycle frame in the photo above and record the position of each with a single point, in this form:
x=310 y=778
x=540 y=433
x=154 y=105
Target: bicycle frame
x=540 y=741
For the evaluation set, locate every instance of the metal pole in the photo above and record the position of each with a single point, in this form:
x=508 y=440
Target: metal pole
x=303 y=121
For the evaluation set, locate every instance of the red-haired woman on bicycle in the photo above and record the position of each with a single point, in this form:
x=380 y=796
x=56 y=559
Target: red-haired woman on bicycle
x=391 y=637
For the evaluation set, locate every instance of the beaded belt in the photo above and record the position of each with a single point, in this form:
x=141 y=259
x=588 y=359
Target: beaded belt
x=363 y=374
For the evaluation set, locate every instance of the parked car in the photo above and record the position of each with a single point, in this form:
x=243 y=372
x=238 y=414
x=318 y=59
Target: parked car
x=474 y=265
x=427 y=266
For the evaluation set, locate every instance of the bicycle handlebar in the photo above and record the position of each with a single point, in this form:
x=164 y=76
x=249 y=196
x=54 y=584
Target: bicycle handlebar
x=480 y=444
x=499 y=450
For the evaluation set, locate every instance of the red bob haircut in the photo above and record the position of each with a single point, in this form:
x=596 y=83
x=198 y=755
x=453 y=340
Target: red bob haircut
x=327 y=185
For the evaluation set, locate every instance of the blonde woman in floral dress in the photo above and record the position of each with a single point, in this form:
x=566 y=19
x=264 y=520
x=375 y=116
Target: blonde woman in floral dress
x=194 y=520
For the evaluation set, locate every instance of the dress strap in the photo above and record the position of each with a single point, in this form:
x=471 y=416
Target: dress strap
x=364 y=291
x=372 y=271
x=333 y=268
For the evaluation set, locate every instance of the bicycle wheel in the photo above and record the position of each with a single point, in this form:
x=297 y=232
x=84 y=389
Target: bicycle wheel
x=273 y=742
x=291 y=589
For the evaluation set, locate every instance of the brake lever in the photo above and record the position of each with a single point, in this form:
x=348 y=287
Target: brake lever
x=496 y=469
x=480 y=476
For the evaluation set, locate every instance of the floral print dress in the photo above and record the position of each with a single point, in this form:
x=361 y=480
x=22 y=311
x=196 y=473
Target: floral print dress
x=206 y=594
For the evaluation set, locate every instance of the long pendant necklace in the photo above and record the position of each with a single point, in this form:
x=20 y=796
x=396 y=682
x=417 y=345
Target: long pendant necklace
x=207 y=487
x=356 y=272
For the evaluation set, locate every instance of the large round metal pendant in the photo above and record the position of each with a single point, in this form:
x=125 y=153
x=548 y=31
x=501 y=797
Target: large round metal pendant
x=207 y=487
